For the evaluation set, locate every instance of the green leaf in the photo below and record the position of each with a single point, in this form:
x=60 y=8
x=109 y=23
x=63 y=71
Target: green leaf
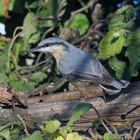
x=123 y=9
x=24 y=84
x=38 y=77
x=51 y=8
x=79 y=110
x=1 y=8
x=80 y=22
x=34 y=5
x=24 y=71
x=122 y=19
x=51 y=126
x=19 y=84
x=110 y=136
x=111 y=44
x=30 y=29
x=5 y=134
x=4 y=65
x=35 y=136
x=133 y=52
x=118 y=66
x=18 y=48
x=59 y=138
x=16 y=5
x=74 y=136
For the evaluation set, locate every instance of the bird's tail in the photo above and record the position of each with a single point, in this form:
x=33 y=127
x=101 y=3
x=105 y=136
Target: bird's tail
x=115 y=87
x=120 y=84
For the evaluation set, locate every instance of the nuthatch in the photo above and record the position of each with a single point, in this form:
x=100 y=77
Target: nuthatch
x=77 y=65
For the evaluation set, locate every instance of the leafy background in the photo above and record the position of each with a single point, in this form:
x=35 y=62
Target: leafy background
x=109 y=30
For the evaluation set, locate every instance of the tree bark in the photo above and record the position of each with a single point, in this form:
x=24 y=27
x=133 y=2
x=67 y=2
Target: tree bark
x=61 y=106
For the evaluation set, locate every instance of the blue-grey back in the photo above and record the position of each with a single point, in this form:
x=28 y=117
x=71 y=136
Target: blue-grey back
x=80 y=61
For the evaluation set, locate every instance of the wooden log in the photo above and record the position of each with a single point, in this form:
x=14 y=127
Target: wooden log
x=62 y=108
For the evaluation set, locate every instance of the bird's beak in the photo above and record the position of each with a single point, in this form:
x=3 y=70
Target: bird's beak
x=42 y=49
x=34 y=50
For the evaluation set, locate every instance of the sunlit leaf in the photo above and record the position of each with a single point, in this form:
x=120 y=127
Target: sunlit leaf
x=5 y=134
x=111 y=44
x=74 y=136
x=110 y=136
x=51 y=126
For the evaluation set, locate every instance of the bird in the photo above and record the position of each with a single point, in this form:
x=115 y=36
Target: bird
x=75 y=64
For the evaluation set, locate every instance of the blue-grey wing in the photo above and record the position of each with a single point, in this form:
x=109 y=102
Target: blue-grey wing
x=79 y=65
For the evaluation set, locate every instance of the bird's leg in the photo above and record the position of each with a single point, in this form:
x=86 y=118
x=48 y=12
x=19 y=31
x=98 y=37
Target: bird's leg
x=80 y=89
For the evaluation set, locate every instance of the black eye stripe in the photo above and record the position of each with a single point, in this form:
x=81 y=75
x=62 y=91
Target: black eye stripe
x=49 y=44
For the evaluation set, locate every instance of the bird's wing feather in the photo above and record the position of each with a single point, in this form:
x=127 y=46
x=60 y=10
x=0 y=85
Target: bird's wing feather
x=79 y=65
x=74 y=76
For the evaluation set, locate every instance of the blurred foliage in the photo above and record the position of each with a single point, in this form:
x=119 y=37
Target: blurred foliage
x=107 y=29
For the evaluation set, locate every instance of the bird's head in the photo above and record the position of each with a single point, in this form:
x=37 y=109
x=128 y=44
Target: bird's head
x=51 y=45
x=54 y=45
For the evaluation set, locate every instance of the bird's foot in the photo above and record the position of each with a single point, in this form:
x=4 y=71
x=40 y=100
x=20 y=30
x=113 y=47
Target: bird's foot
x=82 y=97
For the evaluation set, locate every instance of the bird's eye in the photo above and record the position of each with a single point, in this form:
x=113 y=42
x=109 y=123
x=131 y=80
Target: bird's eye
x=47 y=45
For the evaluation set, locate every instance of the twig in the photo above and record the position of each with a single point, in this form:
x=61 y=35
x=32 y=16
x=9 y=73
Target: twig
x=10 y=48
x=5 y=39
x=89 y=5
x=105 y=126
x=101 y=119
x=48 y=88
x=135 y=133
x=16 y=29
x=115 y=130
x=25 y=127
x=9 y=124
x=47 y=31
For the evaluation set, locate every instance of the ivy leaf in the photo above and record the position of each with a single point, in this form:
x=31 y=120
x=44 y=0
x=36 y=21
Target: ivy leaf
x=19 y=84
x=34 y=5
x=24 y=84
x=133 y=52
x=76 y=23
x=79 y=110
x=110 y=136
x=74 y=136
x=4 y=65
x=2 y=8
x=53 y=9
x=19 y=47
x=30 y=29
x=117 y=66
x=35 y=136
x=5 y=134
x=38 y=77
x=122 y=19
x=51 y=126
x=111 y=44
